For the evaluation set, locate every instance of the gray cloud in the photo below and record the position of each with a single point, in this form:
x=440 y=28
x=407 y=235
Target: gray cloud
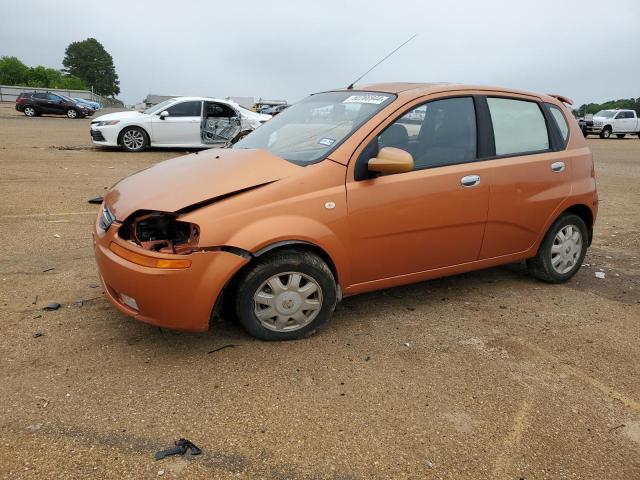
x=287 y=49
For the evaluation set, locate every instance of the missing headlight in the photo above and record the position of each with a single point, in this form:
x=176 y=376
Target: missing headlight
x=160 y=232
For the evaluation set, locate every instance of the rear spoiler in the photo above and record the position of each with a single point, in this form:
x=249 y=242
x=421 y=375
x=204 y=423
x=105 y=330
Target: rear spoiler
x=562 y=98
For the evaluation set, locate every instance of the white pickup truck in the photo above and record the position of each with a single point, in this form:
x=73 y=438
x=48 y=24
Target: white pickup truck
x=611 y=122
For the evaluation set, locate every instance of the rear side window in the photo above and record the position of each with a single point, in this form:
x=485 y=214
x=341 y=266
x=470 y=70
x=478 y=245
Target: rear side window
x=185 y=109
x=518 y=126
x=560 y=121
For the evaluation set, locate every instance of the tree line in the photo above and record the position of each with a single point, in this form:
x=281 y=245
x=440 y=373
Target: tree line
x=87 y=66
x=624 y=103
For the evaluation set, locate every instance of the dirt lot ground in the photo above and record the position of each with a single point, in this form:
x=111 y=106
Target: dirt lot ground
x=489 y=375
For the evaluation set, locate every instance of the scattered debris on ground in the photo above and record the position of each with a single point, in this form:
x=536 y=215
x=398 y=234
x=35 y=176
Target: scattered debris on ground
x=181 y=447
x=221 y=348
x=52 y=306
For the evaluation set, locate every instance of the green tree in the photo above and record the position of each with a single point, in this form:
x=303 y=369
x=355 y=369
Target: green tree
x=13 y=71
x=43 y=77
x=90 y=62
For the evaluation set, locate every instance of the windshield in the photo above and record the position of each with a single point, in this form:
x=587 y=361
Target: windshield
x=605 y=113
x=307 y=131
x=159 y=107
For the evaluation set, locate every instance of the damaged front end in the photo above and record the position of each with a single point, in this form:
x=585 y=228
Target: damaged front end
x=160 y=232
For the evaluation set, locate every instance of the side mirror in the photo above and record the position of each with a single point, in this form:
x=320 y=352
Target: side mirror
x=391 y=160
x=163 y=114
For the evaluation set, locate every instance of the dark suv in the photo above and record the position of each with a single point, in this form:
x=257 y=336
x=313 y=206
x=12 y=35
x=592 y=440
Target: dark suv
x=35 y=104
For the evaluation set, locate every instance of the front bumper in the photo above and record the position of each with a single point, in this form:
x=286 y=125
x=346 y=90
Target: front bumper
x=180 y=299
x=106 y=135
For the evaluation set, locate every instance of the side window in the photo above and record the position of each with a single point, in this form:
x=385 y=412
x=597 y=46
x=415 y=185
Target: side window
x=54 y=98
x=441 y=132
x=518 y=126
x=561 y=121
x=41 y=96
x=185 y=109
x=220 y=110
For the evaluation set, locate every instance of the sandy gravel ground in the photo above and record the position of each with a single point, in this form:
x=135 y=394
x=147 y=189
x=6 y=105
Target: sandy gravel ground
x=489 y=375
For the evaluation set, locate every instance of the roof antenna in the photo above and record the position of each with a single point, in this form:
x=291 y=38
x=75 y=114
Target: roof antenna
x=350 y=87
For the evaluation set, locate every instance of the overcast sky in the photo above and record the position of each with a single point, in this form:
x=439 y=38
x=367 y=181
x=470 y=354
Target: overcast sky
x=584 y=49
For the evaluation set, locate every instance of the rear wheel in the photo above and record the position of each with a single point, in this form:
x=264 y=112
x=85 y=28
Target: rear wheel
x=72 y=113
x=29 y=111
x=562 y=251
x=286 y=295
x=620 y=135
x=606 y=132
x=133 y=139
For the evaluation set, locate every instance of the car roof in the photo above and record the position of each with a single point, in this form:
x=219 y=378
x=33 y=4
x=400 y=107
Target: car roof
x=205 y=98
x=418 y=89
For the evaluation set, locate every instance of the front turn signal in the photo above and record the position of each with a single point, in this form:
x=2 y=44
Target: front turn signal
x=147 y=261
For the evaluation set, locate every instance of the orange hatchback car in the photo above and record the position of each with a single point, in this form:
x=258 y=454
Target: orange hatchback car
x=346 y=192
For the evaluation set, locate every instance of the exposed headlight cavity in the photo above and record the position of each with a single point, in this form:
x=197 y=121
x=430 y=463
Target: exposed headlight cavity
x=160 y=232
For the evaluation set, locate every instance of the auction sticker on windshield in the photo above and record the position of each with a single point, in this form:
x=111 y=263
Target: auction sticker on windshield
x=374 y=99
x=326 y=141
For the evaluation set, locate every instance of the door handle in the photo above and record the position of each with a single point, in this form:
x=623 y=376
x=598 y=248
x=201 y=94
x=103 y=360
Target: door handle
x=558 y=166
x=470 y=180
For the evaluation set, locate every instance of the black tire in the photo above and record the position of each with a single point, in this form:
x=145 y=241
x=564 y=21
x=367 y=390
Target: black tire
x=606 y=132
x=541 y=265
x=73 y=113
x=30 y=111
x=133 y=139
x=620 y=135
x=285 y=262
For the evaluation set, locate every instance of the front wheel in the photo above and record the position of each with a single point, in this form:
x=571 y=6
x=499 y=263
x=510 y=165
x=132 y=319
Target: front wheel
x=562 y=251
x=606 y=132
x=72 y=113
x=286 y=295
x=133 y=139
x=30 y=111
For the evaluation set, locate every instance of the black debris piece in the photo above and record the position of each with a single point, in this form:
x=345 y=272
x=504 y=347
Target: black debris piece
x=35 y=300
x=96 y=200
x=48 y=269
x=52 y=306
x=181 y=447
x=79 y=302
x=37 y=334
x=221 y=348
x=37 y=316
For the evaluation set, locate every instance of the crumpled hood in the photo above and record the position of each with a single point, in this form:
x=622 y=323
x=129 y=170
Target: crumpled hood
x=119 y=116
x=184 y=181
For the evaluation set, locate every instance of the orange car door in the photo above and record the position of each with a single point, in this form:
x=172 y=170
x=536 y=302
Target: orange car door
x=530 y=176
x=431 y=217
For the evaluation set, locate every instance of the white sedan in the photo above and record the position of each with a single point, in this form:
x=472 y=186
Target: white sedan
x=179 y=122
